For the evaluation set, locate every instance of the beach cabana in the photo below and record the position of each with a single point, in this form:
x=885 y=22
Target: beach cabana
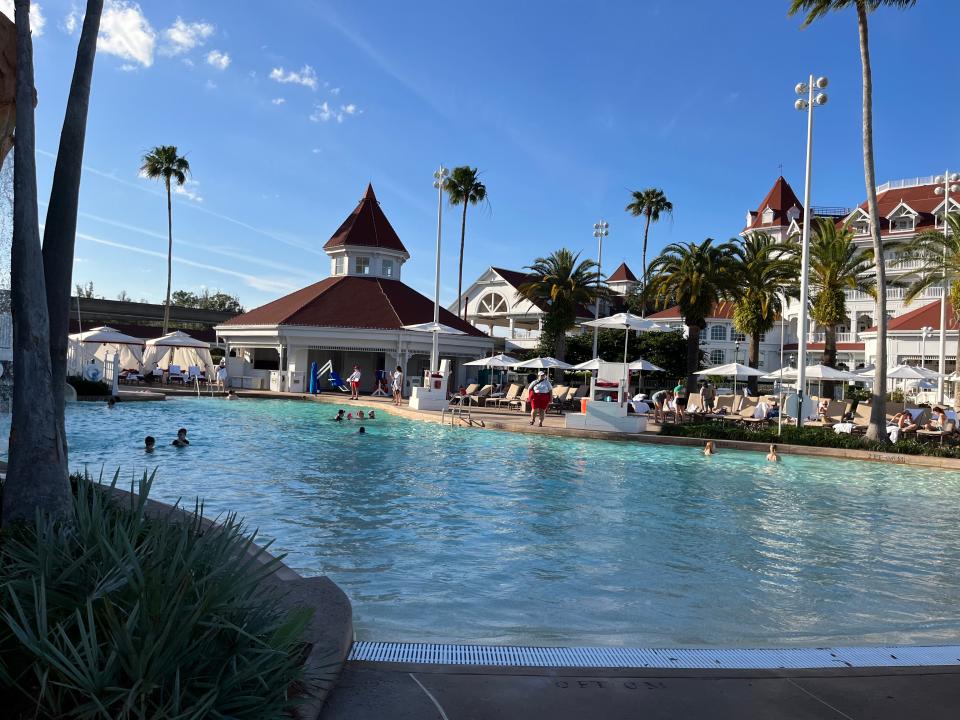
x=101 y=343
x=177 y=348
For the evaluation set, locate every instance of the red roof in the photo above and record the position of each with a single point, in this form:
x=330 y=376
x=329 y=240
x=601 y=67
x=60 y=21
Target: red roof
x=780 y=199
x=925 y=316
x=922 y=199
x=352 y=301
x=367 y=226
x=723 y=310
x=517 y=278
x=622 y=274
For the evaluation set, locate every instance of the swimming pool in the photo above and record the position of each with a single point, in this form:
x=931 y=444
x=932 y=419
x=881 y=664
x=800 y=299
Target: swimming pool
x=480 y=536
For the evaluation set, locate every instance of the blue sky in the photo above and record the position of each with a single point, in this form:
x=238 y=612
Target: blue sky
x=286 y=114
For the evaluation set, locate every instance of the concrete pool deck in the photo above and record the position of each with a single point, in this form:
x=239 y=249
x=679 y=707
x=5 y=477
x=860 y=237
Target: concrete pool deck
x=513 y=421
x=368 y=691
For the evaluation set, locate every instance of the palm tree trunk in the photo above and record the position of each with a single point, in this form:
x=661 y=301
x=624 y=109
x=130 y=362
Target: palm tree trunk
x=643 y=290
x=60 y=229
x=877 y=427
x=166 y=307
x=37 y=471
x=693 y=355
x=461 y=307
x=829 y=354
x=753 y=360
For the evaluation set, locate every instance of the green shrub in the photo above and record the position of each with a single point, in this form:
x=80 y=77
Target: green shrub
x=119 y=615
x=88 y=388
x=811 y=436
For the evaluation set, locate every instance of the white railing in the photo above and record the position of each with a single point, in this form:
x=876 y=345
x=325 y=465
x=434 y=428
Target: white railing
x=906 y=183
x=6 y=331
x=522 y=334
x=819 y=337
x=894 y=294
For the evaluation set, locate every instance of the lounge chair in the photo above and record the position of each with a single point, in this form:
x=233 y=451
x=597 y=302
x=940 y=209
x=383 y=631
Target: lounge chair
x=727 y=403
x=746 y=412
x=174 y=373
x=459 y=397
x=949 y=429
x=195 y=373
x=559 y=397
x=507 y=399
x=578 y=393
x=832 y=416
x=479 y=398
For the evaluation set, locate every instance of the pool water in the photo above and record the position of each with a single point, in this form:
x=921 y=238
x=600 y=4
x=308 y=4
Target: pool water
x=480 y=536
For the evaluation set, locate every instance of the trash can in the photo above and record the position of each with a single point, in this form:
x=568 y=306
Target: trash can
x=583 y=405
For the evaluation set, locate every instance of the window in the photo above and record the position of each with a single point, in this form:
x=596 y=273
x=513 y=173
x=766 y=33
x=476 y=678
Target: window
x=861 y=228
x=902 y=224
x=703 y=334
x=767 y=216
x=716 y=356
x=718 y=332
x=387 y=268
x=338 y=265
x=362 y=265
x=763 y=337
x=739 y=337
x=492 y=304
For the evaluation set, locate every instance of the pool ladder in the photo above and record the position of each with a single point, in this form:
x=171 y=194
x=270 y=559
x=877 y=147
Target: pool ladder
x=458 y=412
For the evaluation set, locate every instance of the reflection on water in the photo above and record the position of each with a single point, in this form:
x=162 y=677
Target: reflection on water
x=482 y=536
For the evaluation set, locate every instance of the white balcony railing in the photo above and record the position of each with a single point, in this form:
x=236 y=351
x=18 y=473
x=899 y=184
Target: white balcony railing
x=895 y=294
x=819 y=337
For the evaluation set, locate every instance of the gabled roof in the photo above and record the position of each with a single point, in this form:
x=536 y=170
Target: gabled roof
x=517 y=278
x=920 y=198
x=898 y=206
x=622 y=274
x=924 y=316
x=352 y=301
x=780 y=199
x=367 y=226
x=723 y=310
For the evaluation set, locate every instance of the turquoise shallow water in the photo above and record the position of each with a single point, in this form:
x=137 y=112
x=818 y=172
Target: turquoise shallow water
x=442 y=535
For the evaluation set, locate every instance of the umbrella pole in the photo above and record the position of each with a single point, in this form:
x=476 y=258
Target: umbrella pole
x=626 y=372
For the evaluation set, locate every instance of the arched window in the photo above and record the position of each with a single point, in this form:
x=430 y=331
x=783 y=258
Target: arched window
x=718 y=332
x=492 y=304
x=739 y=336
x=716 y=356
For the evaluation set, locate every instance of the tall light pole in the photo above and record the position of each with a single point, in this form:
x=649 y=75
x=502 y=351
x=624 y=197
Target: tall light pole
x=600 y=231
x=948 y=179
x=924 y=334
x=439 y=182
x=812 y=100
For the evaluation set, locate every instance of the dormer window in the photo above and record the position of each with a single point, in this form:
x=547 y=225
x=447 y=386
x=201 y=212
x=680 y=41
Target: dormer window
x=768 y=216
x=386 y=268
x=362 y=265
x=904 y=223
x=861 y=227
x=338 y=265
x=793 y=213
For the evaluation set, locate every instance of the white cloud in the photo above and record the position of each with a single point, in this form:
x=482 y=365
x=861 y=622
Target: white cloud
x=37 y=20
x=334 y=91
x=322 y=112
x=72 y=21
x=190 y=190
x=219 y=60
x=305 y=76
x=182 y=36
x=126 y=33
x=316 y=151
x=278 y=101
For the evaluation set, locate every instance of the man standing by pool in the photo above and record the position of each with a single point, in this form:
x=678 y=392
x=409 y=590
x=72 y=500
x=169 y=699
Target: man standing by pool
x=354 y=381
x=539 y=395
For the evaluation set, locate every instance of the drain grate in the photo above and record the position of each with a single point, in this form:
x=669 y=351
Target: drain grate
x=679 y=658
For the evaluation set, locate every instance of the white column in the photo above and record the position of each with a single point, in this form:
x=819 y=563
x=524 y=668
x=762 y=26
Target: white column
x=512 y=329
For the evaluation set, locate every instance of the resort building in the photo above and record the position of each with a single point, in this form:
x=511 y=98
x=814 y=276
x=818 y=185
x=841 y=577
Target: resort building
x=356 y=316
x=906 y=208
x=721 y=343
x=494 y=302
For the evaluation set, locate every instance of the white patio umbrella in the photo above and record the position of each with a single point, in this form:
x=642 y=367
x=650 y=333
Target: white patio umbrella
x=434 y=327
x=645 y=366
x=625 y=322
x=593 y=364
x=819 y=373
x=733 y=370
x=495 y=361
x=544 y=363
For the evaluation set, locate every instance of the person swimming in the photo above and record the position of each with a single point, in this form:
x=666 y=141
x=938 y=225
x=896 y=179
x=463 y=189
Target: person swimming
x=232 y=395
x=371 y=416
x=708 y=448
x=362 y=430
x=149 y=443
x=772 y=455
x=339 y=416
x=181 y=440
x=360 y=415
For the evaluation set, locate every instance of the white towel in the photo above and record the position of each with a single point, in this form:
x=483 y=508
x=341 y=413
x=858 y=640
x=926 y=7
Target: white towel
x=894 y=432
x=844 y=427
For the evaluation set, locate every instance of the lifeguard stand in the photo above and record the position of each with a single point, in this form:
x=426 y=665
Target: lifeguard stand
x=433 y=394
x=607 y=406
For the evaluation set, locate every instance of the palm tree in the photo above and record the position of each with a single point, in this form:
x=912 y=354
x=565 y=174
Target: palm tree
x=767 y=273
x=60 y=228
x=561 y=284
x=463 y=188
x=836 y=265
x=695 y=277
x=650 y=203
x=939 y=253
x=815 y=9
x=163 y=161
